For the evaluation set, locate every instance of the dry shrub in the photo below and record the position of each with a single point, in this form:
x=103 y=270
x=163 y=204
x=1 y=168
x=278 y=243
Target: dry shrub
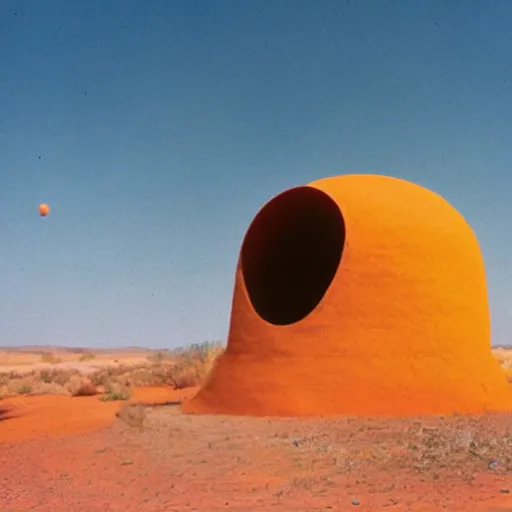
x=5 y=378
x=87 y=356
x=179 y=368
x=48 y=357
x=46 y=375
x=48 y=388
x=116 y=391
x=159 y=356
x=63 y=376
x=147 y=376
x=46 y=381
x=31 y=383
x=103 y=376
x=57 y=376
x=9 y=376
x=80 y=385
x=192 y=365
x=183 y=375
x=19 y=387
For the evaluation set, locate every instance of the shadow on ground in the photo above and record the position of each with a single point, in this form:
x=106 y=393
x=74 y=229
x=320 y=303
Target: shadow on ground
x=160 y=404
x=5 y=414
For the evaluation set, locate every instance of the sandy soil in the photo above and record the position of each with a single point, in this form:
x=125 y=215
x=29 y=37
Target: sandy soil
x=33 y=417
x=62 y=453
x=25 y=361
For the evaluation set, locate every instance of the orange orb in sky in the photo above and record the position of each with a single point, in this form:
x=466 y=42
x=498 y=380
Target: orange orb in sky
x=44 y=210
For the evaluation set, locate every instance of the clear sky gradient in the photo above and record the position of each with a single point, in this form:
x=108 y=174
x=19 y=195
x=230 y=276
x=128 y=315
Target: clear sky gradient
x=157 y=129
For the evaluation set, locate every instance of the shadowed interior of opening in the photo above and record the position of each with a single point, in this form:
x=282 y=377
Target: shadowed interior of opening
x=290 y=254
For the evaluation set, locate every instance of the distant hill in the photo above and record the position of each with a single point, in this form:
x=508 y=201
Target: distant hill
x=40 y=349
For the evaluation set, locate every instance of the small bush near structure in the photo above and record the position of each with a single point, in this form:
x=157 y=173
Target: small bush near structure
x=191 y=365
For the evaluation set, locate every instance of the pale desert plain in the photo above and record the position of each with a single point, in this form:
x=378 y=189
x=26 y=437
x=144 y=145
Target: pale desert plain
x=90 y=430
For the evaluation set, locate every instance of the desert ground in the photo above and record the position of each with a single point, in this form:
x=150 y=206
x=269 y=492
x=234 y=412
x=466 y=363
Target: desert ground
x=91 y=430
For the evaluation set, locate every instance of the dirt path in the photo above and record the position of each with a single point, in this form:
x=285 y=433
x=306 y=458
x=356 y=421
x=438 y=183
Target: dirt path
x=184 y=463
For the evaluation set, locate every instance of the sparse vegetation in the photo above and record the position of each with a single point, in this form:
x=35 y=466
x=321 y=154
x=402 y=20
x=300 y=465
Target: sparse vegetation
x=24 y=389
x=178 y=368
x=80 y=385
x=191 y=365
x=46 y=376
x=160 y=355
x=116 y=391
x=86 y=356
x=48 y=357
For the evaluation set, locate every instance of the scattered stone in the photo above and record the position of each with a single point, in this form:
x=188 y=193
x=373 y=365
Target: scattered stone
x=493 y=464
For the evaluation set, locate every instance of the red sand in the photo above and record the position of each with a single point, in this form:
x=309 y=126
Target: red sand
x=42 y=416
x=211 y=463
x=29 y=417
x=397 y=324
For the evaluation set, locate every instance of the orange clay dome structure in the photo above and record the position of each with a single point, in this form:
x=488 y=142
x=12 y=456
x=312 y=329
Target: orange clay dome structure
x=357 y=295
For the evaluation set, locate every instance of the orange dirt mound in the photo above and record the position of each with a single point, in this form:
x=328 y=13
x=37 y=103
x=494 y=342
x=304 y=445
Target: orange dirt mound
x=362 y=295
x=31 y=417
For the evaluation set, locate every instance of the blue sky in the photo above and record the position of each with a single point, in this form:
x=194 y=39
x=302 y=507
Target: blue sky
x=157 y=129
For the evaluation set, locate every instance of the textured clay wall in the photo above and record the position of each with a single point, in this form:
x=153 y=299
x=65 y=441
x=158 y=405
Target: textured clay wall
x=357 y=294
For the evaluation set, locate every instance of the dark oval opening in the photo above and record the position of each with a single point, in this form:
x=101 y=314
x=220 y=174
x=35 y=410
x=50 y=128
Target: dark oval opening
x=291 y=253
